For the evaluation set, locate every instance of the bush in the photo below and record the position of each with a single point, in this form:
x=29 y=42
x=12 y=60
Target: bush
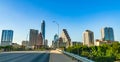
x=103 y=53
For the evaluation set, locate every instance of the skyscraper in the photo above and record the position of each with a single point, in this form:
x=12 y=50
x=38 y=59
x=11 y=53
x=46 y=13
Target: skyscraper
x=43 y=30
x=7 y=37
x=107 y=34
x=33 y=37
x=46 y=43
x=88 y=38
x=55 y=41
x=39 y=40
x=66 y=38
x=56 y=38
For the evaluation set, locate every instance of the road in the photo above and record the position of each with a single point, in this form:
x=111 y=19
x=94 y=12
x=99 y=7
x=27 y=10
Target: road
x=34 y=56
x=57 y=56
x=25 y=56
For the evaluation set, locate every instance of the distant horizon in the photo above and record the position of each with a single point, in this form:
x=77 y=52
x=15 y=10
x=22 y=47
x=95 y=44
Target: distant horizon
x=76 y=16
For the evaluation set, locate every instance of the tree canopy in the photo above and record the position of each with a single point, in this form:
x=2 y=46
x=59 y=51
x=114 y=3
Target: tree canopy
x=103 y=53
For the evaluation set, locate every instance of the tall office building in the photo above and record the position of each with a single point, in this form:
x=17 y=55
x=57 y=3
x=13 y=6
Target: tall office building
x=43 y=30
x=46 y=43
x=7 y=37
x=66 y=38
x=107 y=34
x=55 y=41
x=33 y=37
x=56 y=38
x=88 y=38
x=39 y=40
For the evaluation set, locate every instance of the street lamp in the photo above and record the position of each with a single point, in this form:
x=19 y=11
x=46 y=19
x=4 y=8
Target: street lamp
x=58 y=32
x=58 y=27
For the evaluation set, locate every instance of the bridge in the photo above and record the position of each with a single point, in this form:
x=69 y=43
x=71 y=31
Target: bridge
x=35 y=56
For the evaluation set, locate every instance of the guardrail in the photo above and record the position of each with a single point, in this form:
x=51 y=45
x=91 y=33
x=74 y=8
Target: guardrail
x=78 y=58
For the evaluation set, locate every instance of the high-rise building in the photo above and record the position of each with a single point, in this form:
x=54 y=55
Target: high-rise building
x=43 y=30
x=88 y=38
x=61 y=43
x=7 y=37
x=55 y=41
x=46 y=43
x=33 y=37
x=66 y=38
x=107 y=34
x=39 y=40
x=56 y=38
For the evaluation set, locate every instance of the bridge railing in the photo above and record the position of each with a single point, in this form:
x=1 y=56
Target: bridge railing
x=77 y=57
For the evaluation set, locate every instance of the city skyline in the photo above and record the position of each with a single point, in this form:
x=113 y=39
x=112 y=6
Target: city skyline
x=93 y=15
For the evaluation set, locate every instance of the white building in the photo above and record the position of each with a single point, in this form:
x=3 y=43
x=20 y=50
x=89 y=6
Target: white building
x=66 y=38
x=88 y=38
x=100 y=42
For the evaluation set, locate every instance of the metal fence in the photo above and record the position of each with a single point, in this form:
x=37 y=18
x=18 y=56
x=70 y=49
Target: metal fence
x=77 y=57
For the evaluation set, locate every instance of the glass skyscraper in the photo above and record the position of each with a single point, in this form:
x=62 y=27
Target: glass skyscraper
x=7 y=37
x=107 y=34
x=56 y=38
x=43 y=30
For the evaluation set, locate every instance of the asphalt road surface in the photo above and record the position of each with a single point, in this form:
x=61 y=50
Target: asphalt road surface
x=25 y=56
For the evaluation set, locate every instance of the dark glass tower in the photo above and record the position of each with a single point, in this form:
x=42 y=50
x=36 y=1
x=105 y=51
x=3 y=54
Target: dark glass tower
x=7 y=37
x=56 y=38
x=43 y=30
x=107 y=34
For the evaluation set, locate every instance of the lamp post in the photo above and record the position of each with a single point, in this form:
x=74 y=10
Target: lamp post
x=57 y=44
x=58 y=27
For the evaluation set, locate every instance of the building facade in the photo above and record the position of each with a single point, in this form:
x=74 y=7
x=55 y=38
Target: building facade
x=107 y=34
x=56 y=38
x=66 y=38
x=88 y=38
x=43 y=30
x=100 y=42
x=7 y=37
x=33 y=37
x=75 y=43
x=25 y=43
x=46 y=43
x=55 y=43
x=39 y=40
x=61 y=43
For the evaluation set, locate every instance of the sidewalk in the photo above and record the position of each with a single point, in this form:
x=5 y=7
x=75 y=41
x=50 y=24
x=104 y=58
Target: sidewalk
x=56 y=56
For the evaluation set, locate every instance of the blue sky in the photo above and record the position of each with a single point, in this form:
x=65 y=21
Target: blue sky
x=74 y=15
